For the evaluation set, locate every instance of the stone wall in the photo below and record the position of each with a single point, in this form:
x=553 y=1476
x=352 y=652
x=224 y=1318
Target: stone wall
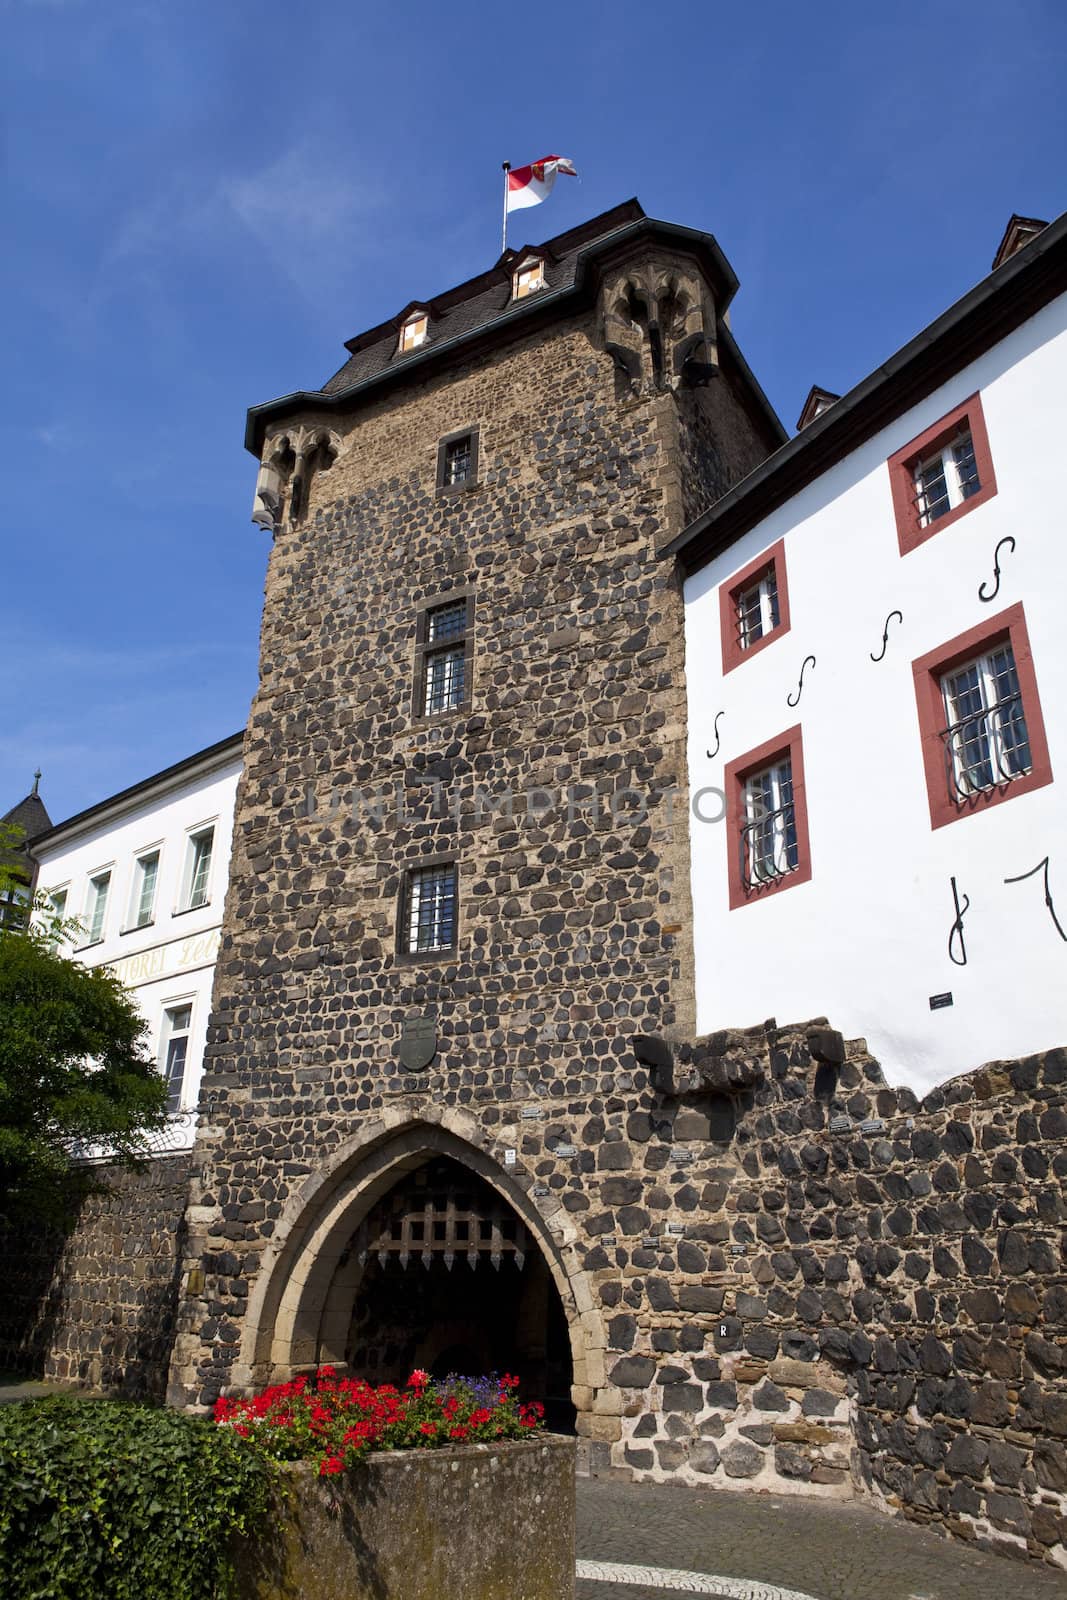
x=477 y=1523
x=721 y=439
x=570 y=903
x=857 y=1291
x=95 y=1307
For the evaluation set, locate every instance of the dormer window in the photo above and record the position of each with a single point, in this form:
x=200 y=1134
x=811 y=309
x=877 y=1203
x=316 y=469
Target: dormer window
x=413 y=332
x=529 y=277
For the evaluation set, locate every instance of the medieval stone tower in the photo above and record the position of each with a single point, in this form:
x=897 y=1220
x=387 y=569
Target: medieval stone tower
x=460 y=882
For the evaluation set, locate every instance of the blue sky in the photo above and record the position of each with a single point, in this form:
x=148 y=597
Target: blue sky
x=205 y=199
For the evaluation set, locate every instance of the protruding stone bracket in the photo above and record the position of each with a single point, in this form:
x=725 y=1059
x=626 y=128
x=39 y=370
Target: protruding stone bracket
x=726 y=1062
x=657 y=322
x=290 y=461
x=827 y=1045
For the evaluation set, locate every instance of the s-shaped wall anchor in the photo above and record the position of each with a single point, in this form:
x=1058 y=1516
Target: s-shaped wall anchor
x=800 y=686
x=1042 y=867
x=885 y=635
x=992 y=595
x=956 y=933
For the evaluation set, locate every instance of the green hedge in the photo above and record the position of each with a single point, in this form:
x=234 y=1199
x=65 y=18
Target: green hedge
x=100 y=1500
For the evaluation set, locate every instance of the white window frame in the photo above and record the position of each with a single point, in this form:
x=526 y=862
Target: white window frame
x=188 y=871
x=414 y=331
x=168 y=1033
x=998 y=752
x=533 y=266
x=64 y=890
x=133 y=921
x=957 y=487
x=92 y=899
x=767 y=605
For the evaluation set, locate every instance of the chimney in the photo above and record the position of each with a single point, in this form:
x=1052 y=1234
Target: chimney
x=1019 y=232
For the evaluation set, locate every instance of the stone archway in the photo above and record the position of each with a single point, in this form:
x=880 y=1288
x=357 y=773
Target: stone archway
x=442 y=1274
x=302 y=1307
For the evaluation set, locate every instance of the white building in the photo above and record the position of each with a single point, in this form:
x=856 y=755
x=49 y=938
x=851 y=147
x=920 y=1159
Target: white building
x=146 y=874
x=877 y=681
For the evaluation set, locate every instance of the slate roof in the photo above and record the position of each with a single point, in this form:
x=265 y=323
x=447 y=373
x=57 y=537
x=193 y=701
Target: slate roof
x=479 y=301
x=481 y=313
x=32 y=818
x=30 y=815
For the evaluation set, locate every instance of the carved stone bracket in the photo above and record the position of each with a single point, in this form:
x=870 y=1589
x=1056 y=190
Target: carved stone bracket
x=724 y=1062
x=657 y=322
x=729 y=1061
x=290 y=460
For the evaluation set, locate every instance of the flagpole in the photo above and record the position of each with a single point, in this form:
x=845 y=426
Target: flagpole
x=504 y=237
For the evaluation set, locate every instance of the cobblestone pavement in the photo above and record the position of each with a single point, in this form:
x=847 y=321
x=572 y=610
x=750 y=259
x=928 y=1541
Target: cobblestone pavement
x=773 y=1547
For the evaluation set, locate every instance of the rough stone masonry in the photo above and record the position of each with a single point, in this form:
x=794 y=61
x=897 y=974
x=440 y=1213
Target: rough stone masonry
x=775 y=1269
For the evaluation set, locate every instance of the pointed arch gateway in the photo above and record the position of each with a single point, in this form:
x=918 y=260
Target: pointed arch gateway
x=415 y=1246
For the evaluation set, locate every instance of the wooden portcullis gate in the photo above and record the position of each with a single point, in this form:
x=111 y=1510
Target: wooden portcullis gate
x=430 y=1219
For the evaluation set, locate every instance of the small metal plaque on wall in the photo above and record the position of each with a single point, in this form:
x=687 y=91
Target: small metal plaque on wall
x=418 y=1042
x=939 y=1001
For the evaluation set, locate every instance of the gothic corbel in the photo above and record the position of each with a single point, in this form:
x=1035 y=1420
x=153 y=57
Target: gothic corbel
x=289 y=461
x=658 y=323
x=624 y=328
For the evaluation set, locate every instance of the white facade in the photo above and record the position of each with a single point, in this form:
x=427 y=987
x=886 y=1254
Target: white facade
x=164 y=850
x=865 y=940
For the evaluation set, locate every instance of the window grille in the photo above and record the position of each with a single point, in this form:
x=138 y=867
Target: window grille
x=986 y=740
x=946 y=479
x=769 y=847
x=757 y=609
x=459 y=461
x=442 y=659
x=446 y=622
x=446 y=676
x=429 y=909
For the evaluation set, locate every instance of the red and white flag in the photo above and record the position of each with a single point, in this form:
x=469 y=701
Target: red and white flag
x=528 y=186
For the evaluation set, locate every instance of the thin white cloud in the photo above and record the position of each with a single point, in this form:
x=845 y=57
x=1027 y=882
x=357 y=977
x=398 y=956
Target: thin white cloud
x=53 y=435
x=302 y=196
x=310 y=215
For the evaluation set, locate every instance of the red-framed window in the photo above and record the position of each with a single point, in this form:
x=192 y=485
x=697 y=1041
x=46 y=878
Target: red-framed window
x=983 y=734
x=754 y=607
x=767 y=820
x=940 y=476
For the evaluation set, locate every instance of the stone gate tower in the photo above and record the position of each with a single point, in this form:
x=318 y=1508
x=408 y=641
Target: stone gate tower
x=460 y=881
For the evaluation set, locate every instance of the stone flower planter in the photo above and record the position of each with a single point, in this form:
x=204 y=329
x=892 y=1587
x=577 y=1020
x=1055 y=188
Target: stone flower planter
x=479 y=1522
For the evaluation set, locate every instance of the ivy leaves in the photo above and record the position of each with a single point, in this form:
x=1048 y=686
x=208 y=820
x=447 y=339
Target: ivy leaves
x=122 y=1502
